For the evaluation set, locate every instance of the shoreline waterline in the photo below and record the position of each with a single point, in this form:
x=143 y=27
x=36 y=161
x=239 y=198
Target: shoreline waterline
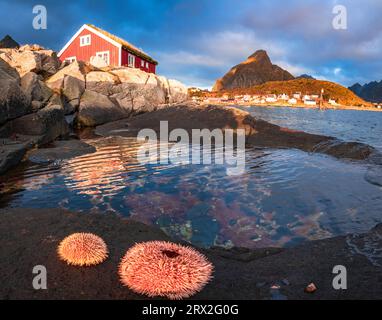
x=339 y=108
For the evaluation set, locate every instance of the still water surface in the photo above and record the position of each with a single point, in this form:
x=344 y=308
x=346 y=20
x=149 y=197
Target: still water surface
x=285 y=196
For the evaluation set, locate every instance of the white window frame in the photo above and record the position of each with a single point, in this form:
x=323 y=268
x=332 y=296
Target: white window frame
x=142 y=63
x=85 y=40
x=131 y=60
x=101 y=55
x=147 y=65
x=71 y=59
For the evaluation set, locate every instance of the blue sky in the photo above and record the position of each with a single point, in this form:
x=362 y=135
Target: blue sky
x=197 y=41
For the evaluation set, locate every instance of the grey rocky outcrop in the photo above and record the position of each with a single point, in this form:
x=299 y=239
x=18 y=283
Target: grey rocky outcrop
x=35 y=88
x=13 y=102
x=47 y=123
x=130 y=90
x=96 y=108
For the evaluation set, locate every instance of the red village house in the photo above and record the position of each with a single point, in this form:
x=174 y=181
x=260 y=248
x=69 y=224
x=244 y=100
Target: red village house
x=90 y=41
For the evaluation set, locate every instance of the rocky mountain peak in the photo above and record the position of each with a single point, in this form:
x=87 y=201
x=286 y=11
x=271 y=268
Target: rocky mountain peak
x=261 y=56
x=257 y=69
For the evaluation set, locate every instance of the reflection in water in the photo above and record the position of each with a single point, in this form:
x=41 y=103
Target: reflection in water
x=285 y=196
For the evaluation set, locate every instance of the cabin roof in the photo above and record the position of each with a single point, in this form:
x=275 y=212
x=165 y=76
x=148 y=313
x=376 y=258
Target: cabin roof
x=125 y=44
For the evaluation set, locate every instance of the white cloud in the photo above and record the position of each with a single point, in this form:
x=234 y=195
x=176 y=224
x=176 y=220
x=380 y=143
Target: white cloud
x=222 y=49
x=189 y=58
x=337 y=71
x=193 y=80
x=236 y=45
x=295 y=70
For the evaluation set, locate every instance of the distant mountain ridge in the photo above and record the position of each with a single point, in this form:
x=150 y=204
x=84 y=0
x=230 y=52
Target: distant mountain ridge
x=371 y=91
x=305 y=76
x=257 y=69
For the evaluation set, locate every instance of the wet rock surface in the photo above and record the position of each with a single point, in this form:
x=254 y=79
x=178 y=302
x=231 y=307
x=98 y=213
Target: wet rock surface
x=48 y=122
x=374 y=175
x=60 y=150
x=30 y=237
x=258 y=132
x=11 y=153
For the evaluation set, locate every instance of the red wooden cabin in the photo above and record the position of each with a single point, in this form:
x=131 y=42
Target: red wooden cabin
x=90 y=41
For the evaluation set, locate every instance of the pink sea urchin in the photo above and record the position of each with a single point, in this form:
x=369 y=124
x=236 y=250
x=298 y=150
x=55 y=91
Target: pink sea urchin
x=159 y=268
x=82 y=249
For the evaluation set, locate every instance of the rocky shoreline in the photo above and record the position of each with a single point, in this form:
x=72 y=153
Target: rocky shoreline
x=30 y=237
x=258 y=132
x=327 y=107
x=41 y=99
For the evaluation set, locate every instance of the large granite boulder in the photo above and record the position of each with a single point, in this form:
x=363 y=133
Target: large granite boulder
x=141 y=98
x=102 y=82
x=96 y=108
x=124 y=99
x=22 y=61
x=76 y=69
x=11 y=153
x=140 y=90
x=174 y=90
x=73 y=88
x=8 y=70
x=31 y=59
x=50 y=63
x=131 y=75
x=49 y=123
x=13 y=102
x=178 y=92
x=35 y=89
x=58 y=100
